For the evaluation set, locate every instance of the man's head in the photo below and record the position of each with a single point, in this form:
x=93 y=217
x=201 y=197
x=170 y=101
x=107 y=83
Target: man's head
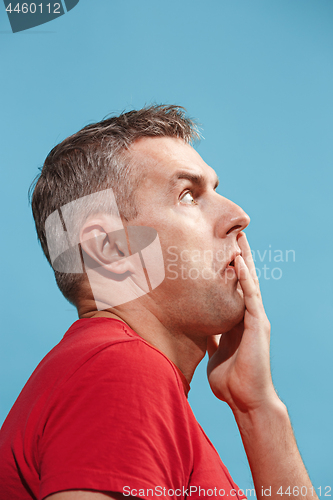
x=161 y=182
x=97 y=158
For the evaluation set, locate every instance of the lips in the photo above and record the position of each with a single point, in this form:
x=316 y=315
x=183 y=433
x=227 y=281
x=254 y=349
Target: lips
x=231 y=263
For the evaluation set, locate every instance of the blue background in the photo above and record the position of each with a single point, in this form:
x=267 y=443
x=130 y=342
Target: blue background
x=258 y=75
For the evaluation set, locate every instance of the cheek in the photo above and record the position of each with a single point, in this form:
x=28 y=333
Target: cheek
x=198 y=275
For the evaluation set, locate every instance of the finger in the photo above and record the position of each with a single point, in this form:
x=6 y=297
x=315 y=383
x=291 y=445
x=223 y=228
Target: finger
x=228 y=345
x=250 y=289
x=247 y=254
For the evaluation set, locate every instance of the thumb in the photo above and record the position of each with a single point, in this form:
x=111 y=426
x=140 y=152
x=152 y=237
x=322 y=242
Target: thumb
x=212 y=344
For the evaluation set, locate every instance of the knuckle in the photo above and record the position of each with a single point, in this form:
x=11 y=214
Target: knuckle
x=267 y=323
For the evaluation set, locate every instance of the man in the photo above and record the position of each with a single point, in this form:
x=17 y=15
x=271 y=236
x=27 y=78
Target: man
x=158 y=266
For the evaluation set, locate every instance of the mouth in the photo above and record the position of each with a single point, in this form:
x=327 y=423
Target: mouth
x=230 y=269
x=231 y=264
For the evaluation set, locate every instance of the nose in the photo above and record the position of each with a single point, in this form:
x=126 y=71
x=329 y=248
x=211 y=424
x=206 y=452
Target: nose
x=232 y=219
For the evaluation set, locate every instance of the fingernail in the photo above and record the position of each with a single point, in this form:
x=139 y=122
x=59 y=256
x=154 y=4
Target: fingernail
x=242 y=260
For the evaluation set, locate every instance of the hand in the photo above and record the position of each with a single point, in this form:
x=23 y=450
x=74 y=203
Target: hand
x=239 y=365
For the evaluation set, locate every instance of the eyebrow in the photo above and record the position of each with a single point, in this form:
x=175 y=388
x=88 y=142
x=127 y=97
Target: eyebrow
x=198 y=179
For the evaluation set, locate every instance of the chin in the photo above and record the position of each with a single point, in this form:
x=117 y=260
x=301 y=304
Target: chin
x=235 y=314
x=234 y=321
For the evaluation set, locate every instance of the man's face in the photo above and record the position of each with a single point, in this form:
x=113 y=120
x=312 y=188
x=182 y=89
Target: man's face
x=198 y=231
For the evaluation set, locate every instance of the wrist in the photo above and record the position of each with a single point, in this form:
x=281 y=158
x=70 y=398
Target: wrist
x=271 y=410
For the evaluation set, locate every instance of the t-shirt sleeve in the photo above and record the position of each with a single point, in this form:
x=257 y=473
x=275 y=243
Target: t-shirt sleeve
x=117 y=424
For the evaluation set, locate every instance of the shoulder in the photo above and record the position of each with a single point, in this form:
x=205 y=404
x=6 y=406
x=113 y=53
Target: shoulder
x=125 y=385
x=120 y=416
x=134 y=364
x=109 y=354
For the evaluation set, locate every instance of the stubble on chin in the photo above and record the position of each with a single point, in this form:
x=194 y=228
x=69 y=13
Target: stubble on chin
x=235 y=308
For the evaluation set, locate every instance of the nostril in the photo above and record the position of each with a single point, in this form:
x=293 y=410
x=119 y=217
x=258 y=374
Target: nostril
x=234 y=228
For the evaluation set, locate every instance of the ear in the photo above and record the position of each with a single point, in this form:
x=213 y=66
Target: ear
x=104 y=244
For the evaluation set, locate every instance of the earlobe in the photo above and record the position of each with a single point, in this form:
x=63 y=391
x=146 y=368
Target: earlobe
x=121 y=266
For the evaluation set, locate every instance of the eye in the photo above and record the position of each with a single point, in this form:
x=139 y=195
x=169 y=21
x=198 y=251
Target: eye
x=187 y=198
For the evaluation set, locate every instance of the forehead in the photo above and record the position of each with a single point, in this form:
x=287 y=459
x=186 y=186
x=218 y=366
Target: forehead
x=159 y=158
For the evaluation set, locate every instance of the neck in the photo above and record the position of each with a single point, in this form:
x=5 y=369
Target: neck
x=185 y=351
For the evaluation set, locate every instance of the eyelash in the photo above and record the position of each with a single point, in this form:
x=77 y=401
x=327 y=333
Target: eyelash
x=188 y=191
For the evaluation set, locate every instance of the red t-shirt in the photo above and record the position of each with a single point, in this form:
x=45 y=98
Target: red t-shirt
x=106 y=411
